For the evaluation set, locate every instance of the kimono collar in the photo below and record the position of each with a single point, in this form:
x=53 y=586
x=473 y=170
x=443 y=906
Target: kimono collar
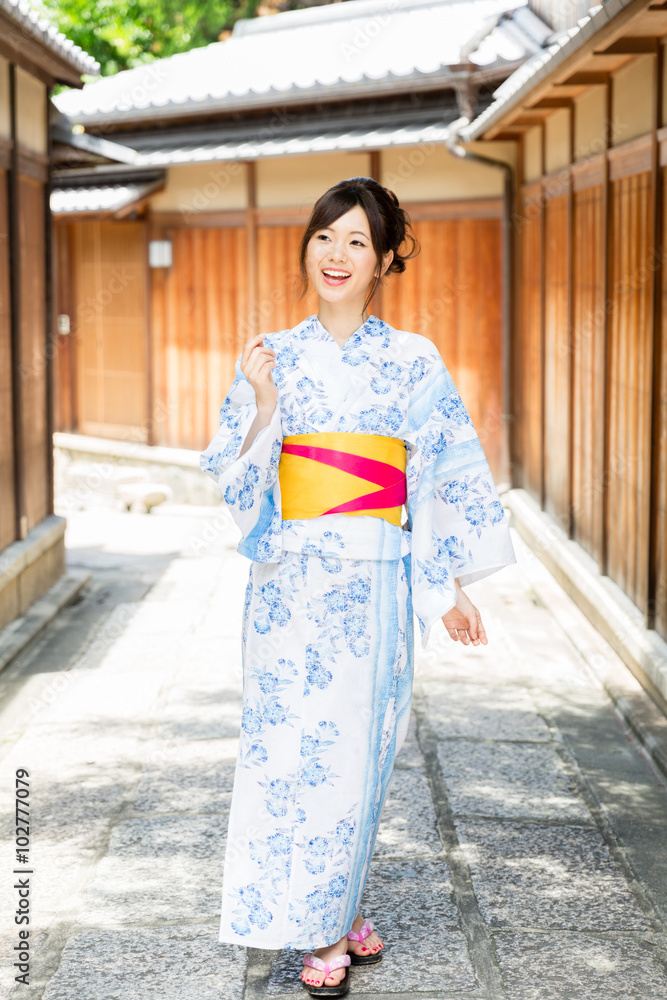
x=312 y=329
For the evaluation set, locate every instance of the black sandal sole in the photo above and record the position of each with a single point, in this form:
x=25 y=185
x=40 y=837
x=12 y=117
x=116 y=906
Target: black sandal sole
x=329 y=991
x=365 y=959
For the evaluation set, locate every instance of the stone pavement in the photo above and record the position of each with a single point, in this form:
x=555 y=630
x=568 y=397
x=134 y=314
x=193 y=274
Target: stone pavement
x=522 y=853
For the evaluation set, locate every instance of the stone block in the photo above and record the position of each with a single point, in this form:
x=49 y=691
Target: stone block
x=534 y=875
x=579 y=966
x=513 y=780
x=149 y=963
x=408 y=824
x=188 y=777
x=166 y=868
x=200 y=712
x=486 y=713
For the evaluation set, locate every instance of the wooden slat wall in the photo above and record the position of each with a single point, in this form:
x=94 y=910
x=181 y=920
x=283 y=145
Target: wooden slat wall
x=630 y=387
x=556 y=360
x=33 y=364
x=109 y=271
x=278 y=304
x=7 y=504
x=588 y=479
x=527 y=362
x=199 y=325
x=451 y=293
x=64 y=415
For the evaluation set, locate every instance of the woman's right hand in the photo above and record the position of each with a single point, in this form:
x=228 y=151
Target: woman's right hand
x=257 y=362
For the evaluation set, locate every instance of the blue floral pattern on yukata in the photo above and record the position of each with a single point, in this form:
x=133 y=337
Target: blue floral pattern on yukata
x=327 y=619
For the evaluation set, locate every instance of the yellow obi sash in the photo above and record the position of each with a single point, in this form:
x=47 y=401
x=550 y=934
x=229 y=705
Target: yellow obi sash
x=331 y=472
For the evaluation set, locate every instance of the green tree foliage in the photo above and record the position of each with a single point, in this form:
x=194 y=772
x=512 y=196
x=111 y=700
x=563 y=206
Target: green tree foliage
x=121 y=34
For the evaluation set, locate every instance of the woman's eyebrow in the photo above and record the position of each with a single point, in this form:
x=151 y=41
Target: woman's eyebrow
x=351 y=232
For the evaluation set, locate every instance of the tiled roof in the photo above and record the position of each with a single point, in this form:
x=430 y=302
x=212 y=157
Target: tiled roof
x=155 y=149
x=29 y=21
x=103 y=198
x=356 y=48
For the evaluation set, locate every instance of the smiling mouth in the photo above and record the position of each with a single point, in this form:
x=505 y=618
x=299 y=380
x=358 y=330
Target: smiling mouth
x=333 y=276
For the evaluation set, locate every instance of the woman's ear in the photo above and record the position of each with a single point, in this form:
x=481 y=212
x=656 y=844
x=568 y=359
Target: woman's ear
x=386 y=260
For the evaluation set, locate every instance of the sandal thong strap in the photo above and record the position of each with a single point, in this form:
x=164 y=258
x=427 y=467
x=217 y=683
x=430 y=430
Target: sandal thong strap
x=363 y=933
x=326 y=967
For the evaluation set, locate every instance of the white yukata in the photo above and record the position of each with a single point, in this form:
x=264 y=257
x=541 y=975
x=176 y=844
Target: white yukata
x=327 y=625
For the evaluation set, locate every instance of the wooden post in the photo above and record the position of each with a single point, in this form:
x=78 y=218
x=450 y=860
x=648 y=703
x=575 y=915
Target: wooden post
x=516 y=314
x=21 y=517
x=606 y=352
x=251 y=246
x=50 y=333
x=148 y=333
x=659 y=359
x=570 y=325
x=376 y=173
x=543 y=279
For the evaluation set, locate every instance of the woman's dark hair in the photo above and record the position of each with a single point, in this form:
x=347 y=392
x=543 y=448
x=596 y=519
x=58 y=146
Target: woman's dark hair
x=389 y=224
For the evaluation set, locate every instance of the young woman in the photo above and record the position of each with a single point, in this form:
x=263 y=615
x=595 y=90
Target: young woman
x=328 y=430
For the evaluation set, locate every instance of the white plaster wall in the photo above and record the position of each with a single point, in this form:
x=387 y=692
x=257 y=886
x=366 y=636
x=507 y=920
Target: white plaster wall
x=298 y=181
x=632 y=97
x=589 y=122
x=431 y=173
x=532 y=154
x=202 y=187
x=31 y=111
x=557 y=140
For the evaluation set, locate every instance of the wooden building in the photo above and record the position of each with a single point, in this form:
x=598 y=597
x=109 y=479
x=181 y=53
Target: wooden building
x=234 y=143
x=33 y=57
x=588 y=123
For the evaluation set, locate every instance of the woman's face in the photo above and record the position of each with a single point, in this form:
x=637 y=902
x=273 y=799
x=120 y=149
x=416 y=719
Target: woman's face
x=341 y=260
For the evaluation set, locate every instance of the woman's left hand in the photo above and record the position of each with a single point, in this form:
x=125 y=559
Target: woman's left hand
x=464 y=622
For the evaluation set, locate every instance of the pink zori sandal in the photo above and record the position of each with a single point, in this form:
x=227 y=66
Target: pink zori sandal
x=313 y=962
x=361 y=935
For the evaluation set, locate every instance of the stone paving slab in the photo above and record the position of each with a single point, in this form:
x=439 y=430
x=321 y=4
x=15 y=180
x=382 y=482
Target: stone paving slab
x=410 y=754
x=199 y=712
x=83 y=748
x=408 y=824
x=165 y=963
x=530 y=875
x=99 y=698
x=493 y=712
x=580 y=967
x=510 y=780
x=399 y=895
x=156 y=617
x=187 y=776
x=62 y=873
x=158 y=868
x=210 y=659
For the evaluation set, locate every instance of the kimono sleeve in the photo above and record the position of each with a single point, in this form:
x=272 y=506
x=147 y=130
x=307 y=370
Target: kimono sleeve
x=248 y=484
x=458 y=525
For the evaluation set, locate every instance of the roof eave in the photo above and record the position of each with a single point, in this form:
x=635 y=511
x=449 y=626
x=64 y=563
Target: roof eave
x=93 y=144
x=393 y=84
x=24 y=47
x=567 y=52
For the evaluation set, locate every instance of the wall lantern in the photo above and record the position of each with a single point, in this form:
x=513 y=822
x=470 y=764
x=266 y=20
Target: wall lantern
x=159 y=253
